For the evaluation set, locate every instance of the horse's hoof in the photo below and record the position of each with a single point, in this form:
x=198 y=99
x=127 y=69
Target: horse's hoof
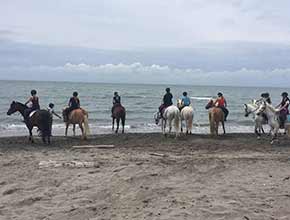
x=258 y=138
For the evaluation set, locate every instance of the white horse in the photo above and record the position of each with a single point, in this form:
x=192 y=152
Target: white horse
x=171 y=113
x=186 y=115
x=273 y=118
x=251 y=109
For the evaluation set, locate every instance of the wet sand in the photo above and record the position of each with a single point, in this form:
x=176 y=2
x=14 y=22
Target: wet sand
x=146 y=176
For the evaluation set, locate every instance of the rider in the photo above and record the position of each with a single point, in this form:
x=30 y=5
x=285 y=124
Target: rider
x=283 y=108
x=74 y=103
x=116 y=101
x=222 y=103
x=34 y=103
x=185 y=101
x=167 y=100
x=51 y=110
x=266 y=97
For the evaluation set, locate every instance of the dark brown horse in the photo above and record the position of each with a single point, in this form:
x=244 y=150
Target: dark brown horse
x=41 y=119
x=119 y=113
x=215 y=116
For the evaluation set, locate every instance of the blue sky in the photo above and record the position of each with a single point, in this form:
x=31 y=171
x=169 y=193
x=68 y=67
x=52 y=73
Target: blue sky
x=198 y=41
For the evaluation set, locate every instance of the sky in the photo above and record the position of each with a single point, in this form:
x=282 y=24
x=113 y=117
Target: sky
x=165 y=41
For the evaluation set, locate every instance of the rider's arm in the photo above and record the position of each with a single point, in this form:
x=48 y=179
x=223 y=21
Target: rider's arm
x=56 y=114
x=284 y=106
x=29 y=100
x=226 y=104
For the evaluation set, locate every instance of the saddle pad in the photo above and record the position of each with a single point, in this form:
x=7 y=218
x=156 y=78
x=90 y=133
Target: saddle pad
x=32 y=113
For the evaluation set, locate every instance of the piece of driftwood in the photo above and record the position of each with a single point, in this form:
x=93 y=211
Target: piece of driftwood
x=102 y=146
x=71 y=164
x=158 y=155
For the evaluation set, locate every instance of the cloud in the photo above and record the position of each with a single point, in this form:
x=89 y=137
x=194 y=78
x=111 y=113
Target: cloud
x=111 y=24
x=151 y=74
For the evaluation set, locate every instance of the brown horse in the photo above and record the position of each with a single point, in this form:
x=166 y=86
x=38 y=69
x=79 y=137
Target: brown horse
x=80 y=117
x=119 y=112
x=215 y=116
x=41 y=119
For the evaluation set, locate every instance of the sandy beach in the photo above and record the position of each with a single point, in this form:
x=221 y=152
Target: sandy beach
x=145 y=176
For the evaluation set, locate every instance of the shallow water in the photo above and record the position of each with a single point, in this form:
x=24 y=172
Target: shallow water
x=140 y=101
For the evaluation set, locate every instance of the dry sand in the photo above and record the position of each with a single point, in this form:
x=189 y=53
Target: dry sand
x=146 y=176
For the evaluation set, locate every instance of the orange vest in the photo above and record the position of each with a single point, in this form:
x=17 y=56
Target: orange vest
x=221 y=102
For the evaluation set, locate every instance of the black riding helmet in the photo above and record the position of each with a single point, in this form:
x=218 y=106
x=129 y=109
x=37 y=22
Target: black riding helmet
x=33 y=92
x=167 y=89
x=184 y=93
x=265 y=95
x=115 y=93
x=284 y=94
x=51 y=105
x=220 y=94
x=75 y=94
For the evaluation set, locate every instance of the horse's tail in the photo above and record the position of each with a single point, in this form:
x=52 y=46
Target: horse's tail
x=45 y=124
x=190 y=121
x=86 y=125
x=177 y=119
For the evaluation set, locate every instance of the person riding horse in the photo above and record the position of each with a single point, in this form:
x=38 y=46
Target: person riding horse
x=283 y=108
x=265 y=97
x=32 y=104
x=116 y=101
x=185 y=101
x=167 y=101
x=221 y=102
x=74 y=103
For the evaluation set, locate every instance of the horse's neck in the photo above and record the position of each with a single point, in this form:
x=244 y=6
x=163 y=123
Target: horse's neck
x=21 y=108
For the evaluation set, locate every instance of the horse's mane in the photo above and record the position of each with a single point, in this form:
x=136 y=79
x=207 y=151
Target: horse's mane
x=271 y=107
x=21 y=104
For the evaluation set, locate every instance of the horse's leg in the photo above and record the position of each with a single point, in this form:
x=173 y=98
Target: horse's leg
x=82 y=129
x=170 y=125
x=66 y=128
x=163 y=126
x=217 y=128
x=30 y=135
x=118 y=123
x=256 y=132
x=74 y=129
x=113 y=123
x=181 y=126
x=123 y=125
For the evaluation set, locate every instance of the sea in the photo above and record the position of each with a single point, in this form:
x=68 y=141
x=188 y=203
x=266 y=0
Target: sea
x=141 y=102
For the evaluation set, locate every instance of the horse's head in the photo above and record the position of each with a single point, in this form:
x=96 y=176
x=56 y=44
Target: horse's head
x=179 y=103
x=247 y=112
x=157 y=117
x=14 y=107
x=209 y=104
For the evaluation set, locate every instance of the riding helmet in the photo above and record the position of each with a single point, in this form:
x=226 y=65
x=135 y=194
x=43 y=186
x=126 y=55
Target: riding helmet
x=284 y=94
x=75 y=94
x=167 y=89
x=184 y=93
x=51 y=105
x=265 y=95
x=115 y=93
x=220 y=94
x=33 y=92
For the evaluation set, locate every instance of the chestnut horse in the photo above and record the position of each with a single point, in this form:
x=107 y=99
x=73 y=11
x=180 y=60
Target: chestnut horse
x=119 y=113
x=78 y=116
x=215 y=116
x=41 y=119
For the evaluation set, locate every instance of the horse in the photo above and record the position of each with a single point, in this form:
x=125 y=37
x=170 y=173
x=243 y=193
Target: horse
x=77 y=116
x=273 y=118
x=119 y=113
x=186 y=114
x=41 y=119
x=215 y=116
x=252 y=108
x=171 y=113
